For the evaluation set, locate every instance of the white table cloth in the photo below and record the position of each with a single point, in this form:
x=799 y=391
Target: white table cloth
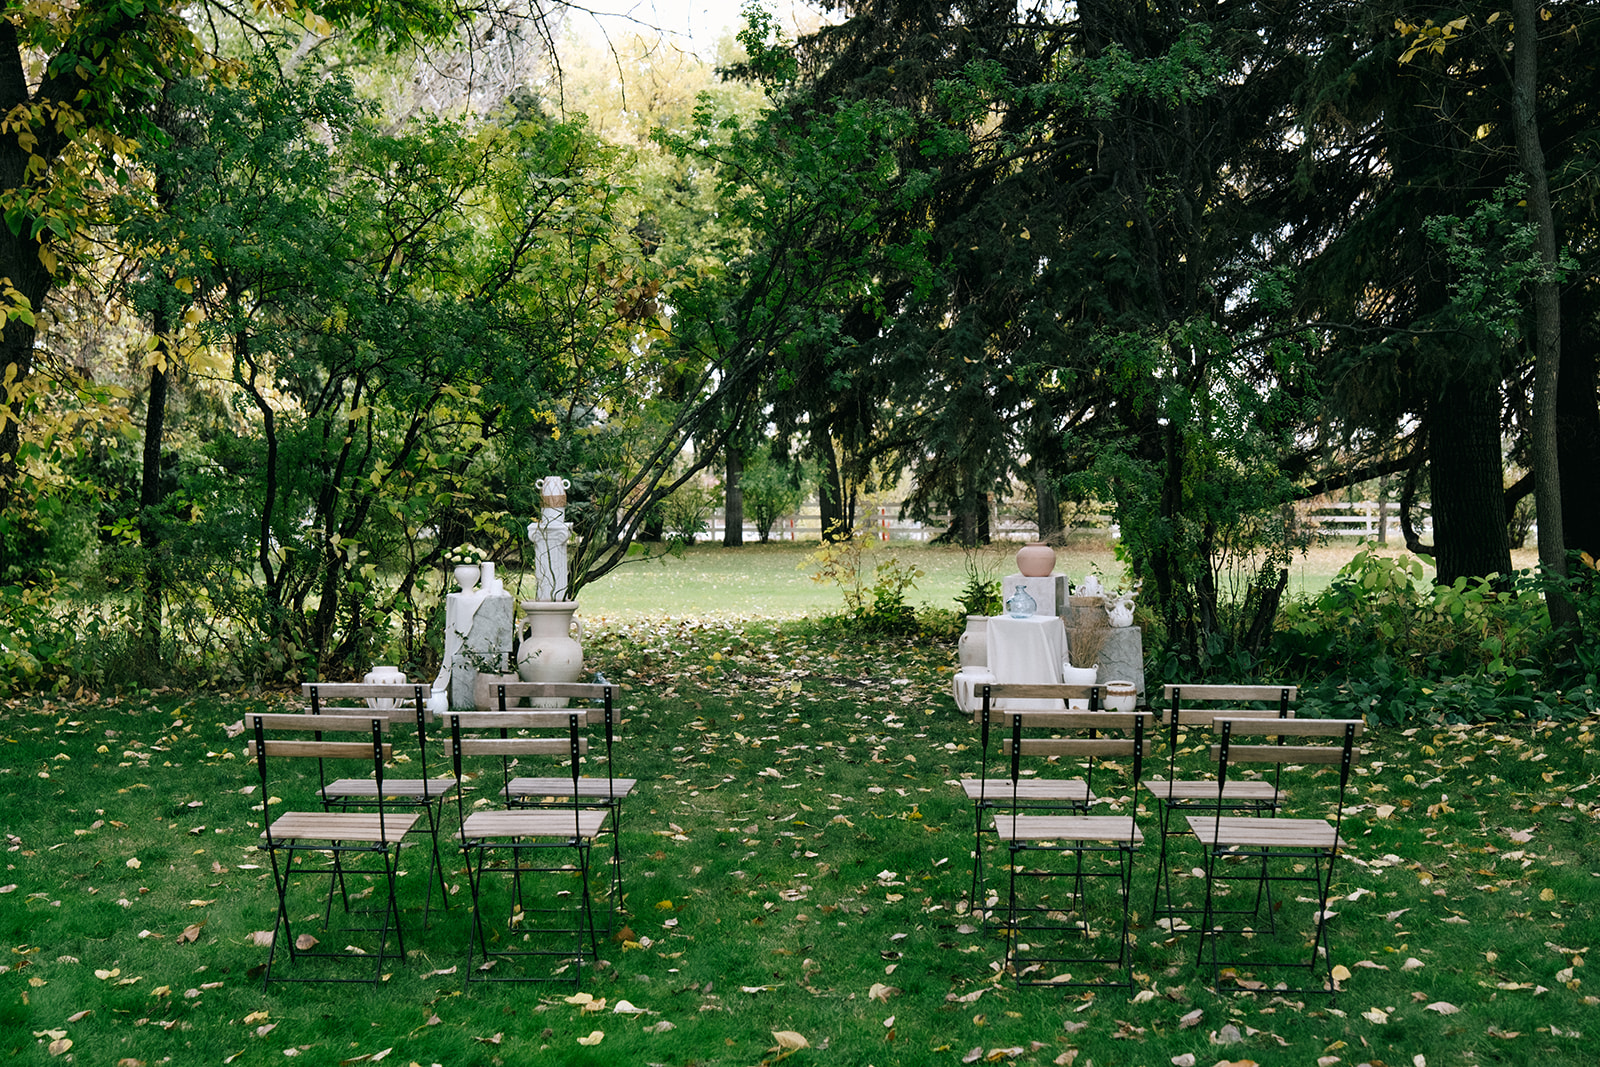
x=1027 y=650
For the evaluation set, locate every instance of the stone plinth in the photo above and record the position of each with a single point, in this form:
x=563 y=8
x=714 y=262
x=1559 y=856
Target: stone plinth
x=477 y=635
x=1122 y=657
x=1049 y=593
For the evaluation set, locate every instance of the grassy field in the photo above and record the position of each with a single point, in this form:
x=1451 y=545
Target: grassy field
x=773 y=581
x=797 y=859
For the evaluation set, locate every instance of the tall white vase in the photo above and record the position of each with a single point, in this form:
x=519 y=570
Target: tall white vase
x=548 y=651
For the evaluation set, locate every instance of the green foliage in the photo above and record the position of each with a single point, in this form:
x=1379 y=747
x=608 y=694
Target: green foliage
x=878 y=607
x=1496 y=262
x=771 y=490
x=981 y=594
x=686 y=512
x=1379 y=642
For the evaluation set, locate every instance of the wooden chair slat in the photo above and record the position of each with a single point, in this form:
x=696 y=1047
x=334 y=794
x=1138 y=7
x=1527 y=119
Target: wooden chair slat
x=323 y=749
x=1073 y=746
x=520 y=746
x=1256 y=726
x=554 y=719
x=1229 y=692
x=292 y=720
x=1282 y=754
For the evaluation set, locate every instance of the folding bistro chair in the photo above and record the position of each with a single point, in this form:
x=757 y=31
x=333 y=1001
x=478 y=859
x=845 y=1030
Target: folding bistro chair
x=1038 y=795
x=356 y=844
x=425 y=795
x=1268 y=852
x=1064 y=928
x=532 y=842
x=1201 y=705
x=529 y=791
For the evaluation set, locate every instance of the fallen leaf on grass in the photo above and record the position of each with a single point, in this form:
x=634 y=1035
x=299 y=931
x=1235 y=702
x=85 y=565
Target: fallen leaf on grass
x=663 y=1026
x=1376 y=1016
x=103 y=975
x=786 y=1039
x=594 y=1038
x=881 y=992
x=190 y=933
x=1191 y=1019
x=495 y=1040
x=60 y=1046
x=305 y=942
x=1442 y=1007
x=261 y=939
x=1186 y=1060
x=255 y=1017
x=80 y=1016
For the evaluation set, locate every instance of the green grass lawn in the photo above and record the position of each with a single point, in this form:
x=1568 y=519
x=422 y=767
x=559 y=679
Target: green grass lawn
x=773 y=580
x=797 y=859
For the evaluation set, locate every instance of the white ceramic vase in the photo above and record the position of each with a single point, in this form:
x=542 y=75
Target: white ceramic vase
x=548 y=651
x=972 y=650
x=467 y=575
x=1071 y=675
x=387 y=675
x=1121 y=695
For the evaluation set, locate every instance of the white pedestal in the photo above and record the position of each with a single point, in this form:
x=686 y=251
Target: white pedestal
x=477 y=633
x=1049 y=593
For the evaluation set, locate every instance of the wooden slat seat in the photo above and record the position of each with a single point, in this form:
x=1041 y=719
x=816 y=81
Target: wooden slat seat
x=341 y=826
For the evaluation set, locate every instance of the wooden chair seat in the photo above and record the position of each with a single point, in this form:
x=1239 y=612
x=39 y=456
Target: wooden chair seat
x=1248 y=832
x=352 y=788
x=588 y=788
x=481 y=825
x=1201 y=790
x=351 y=826
x=1114 y=828
x=996 y=790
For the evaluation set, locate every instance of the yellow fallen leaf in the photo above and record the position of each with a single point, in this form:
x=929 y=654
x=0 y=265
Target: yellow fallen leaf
x=594 y=1038
x=1442 y=1007
x=103 y=975
x=1341 y=973
x=255 y=1017
x=60 y=1045
x=788 y=1039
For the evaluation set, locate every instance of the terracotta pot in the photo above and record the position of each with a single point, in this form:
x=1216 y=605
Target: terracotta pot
x=1036 y=560
x=548 y=652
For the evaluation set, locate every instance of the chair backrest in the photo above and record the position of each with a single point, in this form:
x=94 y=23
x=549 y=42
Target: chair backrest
x=1321 y=741
x=570 y=742
x=373 y=748
x=1098 y=735
x=1092 y=734
x=395 y=703
x=1201 y=705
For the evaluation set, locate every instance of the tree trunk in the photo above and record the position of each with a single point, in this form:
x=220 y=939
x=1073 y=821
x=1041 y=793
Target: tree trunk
x=1044 y=489
x=1546 y=305
x=1468 y=482
x=1578 y=434
x=733 y=499
x=151 y=493
x=830 y=494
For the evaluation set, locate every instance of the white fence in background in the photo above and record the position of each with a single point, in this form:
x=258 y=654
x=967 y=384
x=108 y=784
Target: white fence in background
x=1359 y=519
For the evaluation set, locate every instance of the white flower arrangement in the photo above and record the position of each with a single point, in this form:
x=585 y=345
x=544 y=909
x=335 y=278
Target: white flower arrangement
x=465 y=555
